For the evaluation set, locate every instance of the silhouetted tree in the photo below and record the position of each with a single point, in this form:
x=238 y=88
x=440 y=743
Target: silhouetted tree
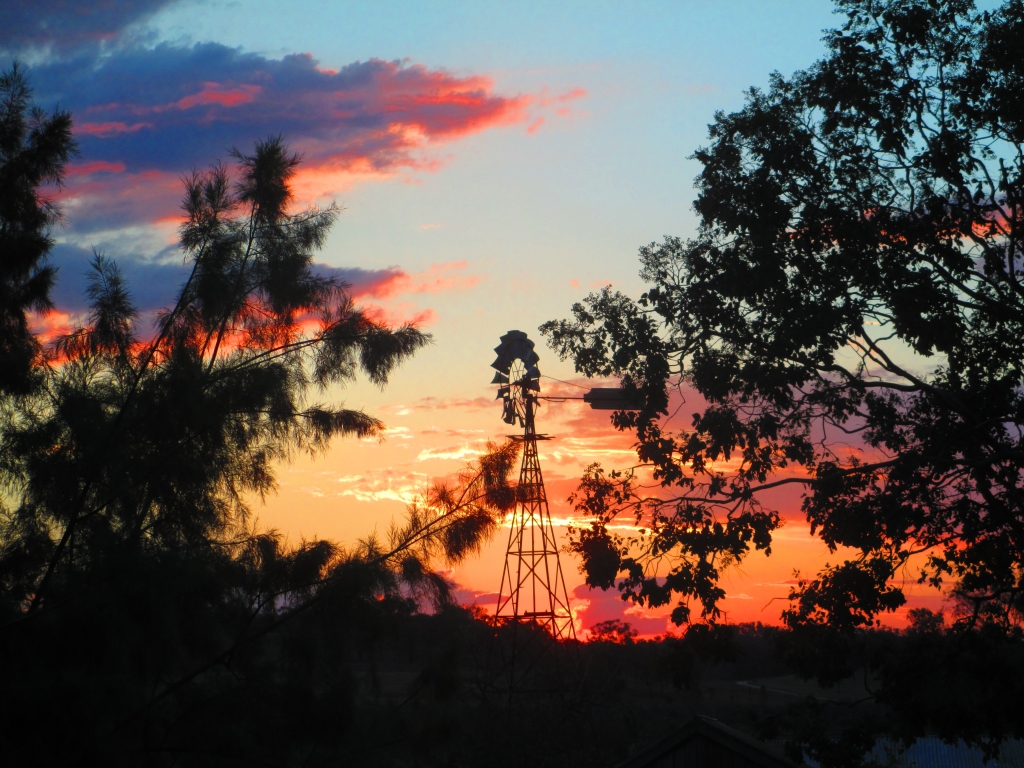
x=34 y=147
x=851 y=313
x=135 y=590
x=134 y=443
x=612 y=631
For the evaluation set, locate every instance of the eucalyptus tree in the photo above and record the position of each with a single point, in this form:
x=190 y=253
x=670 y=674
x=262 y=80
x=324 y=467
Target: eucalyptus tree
x=849 y=319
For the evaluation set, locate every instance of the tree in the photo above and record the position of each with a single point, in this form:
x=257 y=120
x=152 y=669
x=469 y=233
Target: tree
x=135 y=589
x=158 y=442
x=851 y=313
x=34 y=147
x=613 y=631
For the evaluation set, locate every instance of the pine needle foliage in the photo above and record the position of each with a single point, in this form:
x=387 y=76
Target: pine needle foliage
x=34 y=147
x=138 y=443
x=135 y=587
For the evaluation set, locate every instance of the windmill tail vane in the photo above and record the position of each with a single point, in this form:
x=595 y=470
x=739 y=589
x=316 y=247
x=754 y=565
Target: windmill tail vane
x=532 y=584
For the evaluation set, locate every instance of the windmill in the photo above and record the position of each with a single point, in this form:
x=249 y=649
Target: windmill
x=532 y=585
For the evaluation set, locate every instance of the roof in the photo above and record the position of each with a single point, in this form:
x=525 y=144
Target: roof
x=704 y=742
x=931 y=752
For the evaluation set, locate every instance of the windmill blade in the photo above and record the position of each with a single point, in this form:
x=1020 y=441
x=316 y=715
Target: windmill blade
x=517 y=350
x=499 y=378
x=502 y=392
x=508 y=414
x=503 y=362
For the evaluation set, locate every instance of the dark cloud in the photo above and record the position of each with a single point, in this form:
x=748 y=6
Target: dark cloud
x=154 y=282
x=63 y=26
x=144 y=116
x=170 y=107
x=365 y=282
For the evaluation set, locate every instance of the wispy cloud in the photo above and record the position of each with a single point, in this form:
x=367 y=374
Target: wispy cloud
x=384 y=484
x=432 y=403
x=387 y=283
x=463 y=452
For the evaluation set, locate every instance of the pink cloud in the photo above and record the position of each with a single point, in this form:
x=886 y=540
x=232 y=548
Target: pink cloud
x=570 y=95
x=595 y=606
x=589 y=607
x=109 y=129
x=98 y=166
x=214 y=93
x=108 y=200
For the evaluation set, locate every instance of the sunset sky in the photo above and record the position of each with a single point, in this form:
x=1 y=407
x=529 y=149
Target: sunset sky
x=496 y=162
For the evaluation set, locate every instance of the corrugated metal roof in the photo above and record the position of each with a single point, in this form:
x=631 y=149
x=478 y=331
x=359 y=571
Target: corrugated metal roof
x=931 y=752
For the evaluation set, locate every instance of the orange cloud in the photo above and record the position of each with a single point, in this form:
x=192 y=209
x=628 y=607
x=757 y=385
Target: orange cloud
x=464 y=452
x=400 y=315
x=437 y=279
x=441 y=404
x=49 y=326
x=385 y=484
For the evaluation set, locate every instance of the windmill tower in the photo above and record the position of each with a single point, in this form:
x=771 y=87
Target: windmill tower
x=532 y=585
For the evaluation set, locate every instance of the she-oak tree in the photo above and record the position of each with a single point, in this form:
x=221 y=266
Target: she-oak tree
x=857 y=280
x=135 y=591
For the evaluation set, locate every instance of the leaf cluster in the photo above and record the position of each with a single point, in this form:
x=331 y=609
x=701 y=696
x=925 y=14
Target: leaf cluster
x=851 y=315
x=34 y=147
x=849 y=320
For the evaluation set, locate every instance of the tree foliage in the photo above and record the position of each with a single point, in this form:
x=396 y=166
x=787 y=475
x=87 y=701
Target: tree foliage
x=851 y=314
x=34 y=147
x=159 y=442
x=136 y=591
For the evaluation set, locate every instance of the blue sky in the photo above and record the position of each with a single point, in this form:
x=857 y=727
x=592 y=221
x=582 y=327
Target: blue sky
x=496 y=162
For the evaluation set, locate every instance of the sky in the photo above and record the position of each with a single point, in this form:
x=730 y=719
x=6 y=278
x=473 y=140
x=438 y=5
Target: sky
x=495 y=162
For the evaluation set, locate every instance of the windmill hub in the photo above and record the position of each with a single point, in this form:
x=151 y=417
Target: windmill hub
x=517 y=377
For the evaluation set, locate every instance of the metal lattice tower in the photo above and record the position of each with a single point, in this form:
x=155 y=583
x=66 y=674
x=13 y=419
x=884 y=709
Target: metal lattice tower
x=532 y=585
